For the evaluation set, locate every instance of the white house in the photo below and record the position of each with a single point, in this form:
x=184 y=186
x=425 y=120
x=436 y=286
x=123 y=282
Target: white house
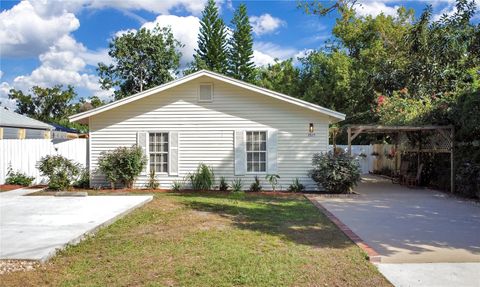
x=238 y=129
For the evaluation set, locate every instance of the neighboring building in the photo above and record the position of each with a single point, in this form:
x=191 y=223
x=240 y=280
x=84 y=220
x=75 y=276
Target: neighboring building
x=17 y=126
x=238 y=129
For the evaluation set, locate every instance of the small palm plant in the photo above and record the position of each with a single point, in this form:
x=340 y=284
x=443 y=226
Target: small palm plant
x=273 y=180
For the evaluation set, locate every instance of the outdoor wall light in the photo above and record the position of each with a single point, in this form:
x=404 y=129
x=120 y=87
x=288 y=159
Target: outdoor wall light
x=310 y=128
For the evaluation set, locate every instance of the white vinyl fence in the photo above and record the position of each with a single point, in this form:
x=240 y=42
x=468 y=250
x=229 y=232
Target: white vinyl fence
x=23 y=154
x=366 y=163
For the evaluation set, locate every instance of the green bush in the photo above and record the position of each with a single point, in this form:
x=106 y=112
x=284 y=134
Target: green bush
x=468 y=179
x=296 y=186
x=335 y=173
x=18 y=178
x=203 y=178
x=273 y=180
x=123 y=164
x=84 y=180
x=152 y=181
x=237 y=185
x=223 y=186
x=176 y=186
x=255 y=186
x=61 y=171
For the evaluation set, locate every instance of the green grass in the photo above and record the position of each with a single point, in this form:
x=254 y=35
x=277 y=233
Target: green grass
x=212 y=240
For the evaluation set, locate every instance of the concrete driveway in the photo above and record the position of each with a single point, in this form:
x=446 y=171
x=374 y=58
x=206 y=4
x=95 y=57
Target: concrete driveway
x=412 y=227
x=35 y=227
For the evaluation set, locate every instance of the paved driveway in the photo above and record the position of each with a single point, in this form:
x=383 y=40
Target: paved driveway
x=411 y=226
x=34 y=227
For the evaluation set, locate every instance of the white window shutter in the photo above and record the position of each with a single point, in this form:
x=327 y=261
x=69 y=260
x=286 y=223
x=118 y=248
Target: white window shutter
x=142 y=141
x=272 y=142
x=173 y=152
x=240 y=153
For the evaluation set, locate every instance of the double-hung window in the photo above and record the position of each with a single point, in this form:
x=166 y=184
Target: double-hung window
x=256 y=151
x=158 y=151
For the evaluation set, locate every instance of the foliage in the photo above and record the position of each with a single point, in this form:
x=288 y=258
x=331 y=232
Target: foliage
x=61 y=171
x=237 y=185
x=468 y=175
x=50 y=105
x=282 y=76
x=240 y=52
x=223 y=186
x=84 y=179
x=273 y=180
x=203 y=178
x=123 y=164
x=176 y=186
x=212 y=42
x=335 y=173
x=141 y=60
x=18 y=177
x=152 y=180
x=296 y=186
x=256 y=185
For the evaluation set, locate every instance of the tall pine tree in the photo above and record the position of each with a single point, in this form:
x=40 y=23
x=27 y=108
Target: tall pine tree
x=212 y=41
x=241 y=47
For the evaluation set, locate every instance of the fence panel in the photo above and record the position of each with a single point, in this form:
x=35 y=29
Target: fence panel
x=23 y=154
x=366 y=162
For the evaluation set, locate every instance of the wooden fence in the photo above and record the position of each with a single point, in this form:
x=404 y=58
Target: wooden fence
x=23 y=154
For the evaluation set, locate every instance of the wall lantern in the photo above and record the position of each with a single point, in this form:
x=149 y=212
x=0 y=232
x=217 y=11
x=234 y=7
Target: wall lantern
x=310 y=128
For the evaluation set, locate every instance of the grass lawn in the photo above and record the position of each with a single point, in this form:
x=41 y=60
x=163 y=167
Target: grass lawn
x=211 y=240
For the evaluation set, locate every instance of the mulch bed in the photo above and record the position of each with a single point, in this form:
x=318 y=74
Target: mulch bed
x=7 y=187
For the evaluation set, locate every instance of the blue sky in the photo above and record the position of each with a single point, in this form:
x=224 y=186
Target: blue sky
x=60 y=42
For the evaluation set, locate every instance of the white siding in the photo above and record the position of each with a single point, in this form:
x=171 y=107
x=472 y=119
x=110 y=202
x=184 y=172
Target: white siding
x=206 y=130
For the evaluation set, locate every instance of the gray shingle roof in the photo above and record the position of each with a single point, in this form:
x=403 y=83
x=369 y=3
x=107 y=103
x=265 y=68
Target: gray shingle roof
x=14 y=120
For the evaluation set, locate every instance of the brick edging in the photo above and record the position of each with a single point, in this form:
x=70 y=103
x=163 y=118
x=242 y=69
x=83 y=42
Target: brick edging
x=373 y=256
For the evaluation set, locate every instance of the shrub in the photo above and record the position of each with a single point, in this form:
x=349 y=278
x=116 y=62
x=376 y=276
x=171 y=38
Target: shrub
x=18 y=178
x=61 y=171
x=203 y=178
x=84 y=180
x=255 y=186
x=176 y=186
x=152 y=181
x=335 y=173
x=123 y=164
x=237 y=185
x=223 y=186
x=468 y=179
x=296 y=186
x=273 y=180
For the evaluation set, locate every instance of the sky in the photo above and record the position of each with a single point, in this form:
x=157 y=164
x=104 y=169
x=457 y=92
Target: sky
x=46 y=43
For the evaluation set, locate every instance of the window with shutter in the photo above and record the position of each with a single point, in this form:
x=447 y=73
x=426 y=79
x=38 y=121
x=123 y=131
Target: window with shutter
x=158 y=152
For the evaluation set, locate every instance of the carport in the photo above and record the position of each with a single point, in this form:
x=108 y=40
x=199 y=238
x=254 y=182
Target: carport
x=412 y=139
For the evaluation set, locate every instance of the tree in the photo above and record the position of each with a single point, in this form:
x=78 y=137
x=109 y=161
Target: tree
x=281 y=77
x=45 y=104
x=241 y=47
x=141 y=60
x=212 y=42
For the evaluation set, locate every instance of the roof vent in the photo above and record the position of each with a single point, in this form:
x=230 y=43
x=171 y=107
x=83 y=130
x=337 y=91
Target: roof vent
x=205 y=93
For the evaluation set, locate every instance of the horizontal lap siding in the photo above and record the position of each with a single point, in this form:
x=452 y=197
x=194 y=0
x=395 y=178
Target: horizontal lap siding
x=206 y=130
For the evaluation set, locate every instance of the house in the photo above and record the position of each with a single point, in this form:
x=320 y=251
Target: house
x=17 y=126
x=237 y=128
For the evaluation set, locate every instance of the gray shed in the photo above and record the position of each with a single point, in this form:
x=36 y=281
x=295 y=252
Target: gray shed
x=17 y=126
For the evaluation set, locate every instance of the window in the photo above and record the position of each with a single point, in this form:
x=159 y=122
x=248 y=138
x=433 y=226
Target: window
x=205 y=93
x=158 y=150
x=256 y=151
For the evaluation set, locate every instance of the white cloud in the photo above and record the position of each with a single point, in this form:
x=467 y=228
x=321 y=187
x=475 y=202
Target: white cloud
x=24 y=32
x=262 y=59
x=184 y=29
x=265 y=24
x=5 y=101
x=374 y=8
x=275 y=50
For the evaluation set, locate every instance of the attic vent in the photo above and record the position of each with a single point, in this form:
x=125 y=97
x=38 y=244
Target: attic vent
x=205 y=93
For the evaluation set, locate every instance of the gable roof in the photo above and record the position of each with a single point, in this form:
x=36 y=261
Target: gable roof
x=333 y=115
x=14 y=120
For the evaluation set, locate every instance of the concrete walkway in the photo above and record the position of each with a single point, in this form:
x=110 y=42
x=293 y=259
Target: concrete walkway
x=35 y=227
x=411 y=226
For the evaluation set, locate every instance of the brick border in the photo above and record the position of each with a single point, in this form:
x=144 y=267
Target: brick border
x=373 y=255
